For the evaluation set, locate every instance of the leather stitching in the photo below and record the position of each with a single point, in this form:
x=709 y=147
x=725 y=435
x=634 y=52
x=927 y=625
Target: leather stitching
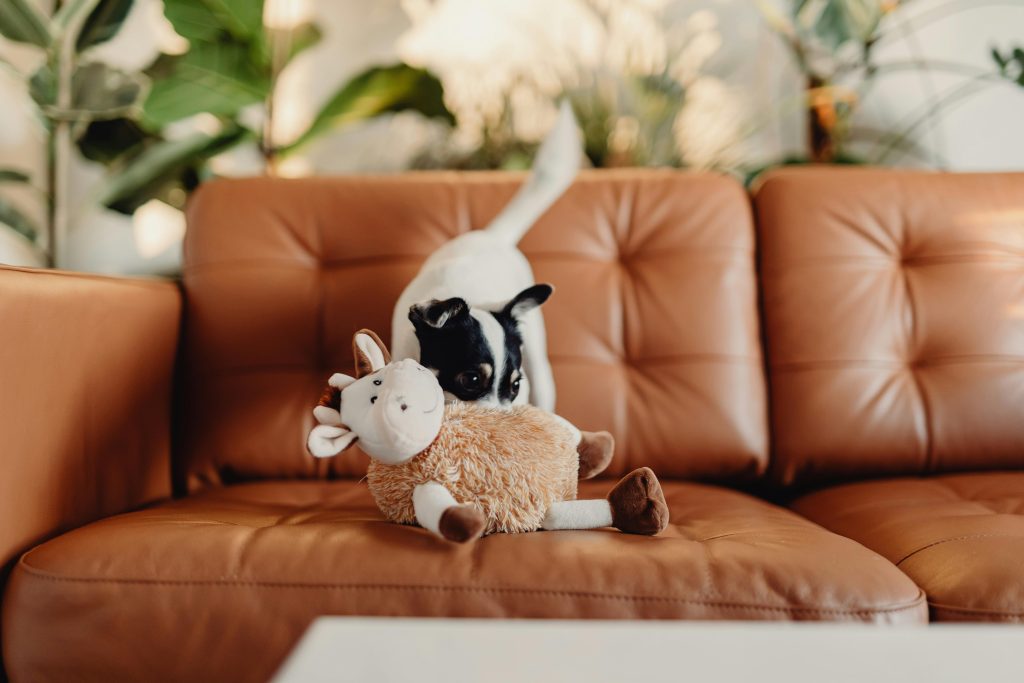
x=965 y=537
x=922 y=398
x=495 y=590
x=845 y=363
x=1009 y=616
x=117 y=280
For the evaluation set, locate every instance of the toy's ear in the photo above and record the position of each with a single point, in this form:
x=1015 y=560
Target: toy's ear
x=370 y=352
x=327 y=440
x=527 y=300
x=436 y=313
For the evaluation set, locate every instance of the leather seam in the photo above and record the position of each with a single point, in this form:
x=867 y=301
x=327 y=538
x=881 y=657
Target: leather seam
x=922 y=397
x=786 y=266
x=916 y=603
x=847 y=363
x=152 y=283
x=965 y=537
x=315 y=263
x=975 y=611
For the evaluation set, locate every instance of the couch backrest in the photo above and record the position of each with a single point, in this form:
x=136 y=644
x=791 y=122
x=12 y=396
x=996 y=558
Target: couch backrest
x=894 y=321
x=653 y=329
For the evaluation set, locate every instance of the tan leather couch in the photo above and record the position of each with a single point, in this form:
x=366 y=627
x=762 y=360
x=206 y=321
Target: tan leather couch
x=870 y=327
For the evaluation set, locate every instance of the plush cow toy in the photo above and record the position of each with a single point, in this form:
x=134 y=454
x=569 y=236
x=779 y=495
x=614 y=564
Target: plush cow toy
x=462 y=470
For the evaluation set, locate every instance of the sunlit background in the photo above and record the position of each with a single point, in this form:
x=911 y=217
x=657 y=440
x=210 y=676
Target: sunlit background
x=114 y=111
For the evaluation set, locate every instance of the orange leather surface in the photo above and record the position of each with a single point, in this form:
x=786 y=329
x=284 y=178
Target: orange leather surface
x=653 y=329
x=85 y=385
x=894 y=321
x=220 y=585
x=959 y=537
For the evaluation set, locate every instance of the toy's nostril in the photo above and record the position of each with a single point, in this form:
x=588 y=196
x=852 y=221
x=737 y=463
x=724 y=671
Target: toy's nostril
x=404 y=407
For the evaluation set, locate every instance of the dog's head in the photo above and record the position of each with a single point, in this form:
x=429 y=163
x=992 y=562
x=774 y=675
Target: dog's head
x=477 y=353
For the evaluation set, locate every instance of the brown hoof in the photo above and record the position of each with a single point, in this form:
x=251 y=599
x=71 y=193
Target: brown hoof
x=462 y=523
x=638 y=504
x=596 y=450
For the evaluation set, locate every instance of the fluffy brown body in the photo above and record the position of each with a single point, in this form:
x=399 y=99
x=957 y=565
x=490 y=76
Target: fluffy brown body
x=511 y=464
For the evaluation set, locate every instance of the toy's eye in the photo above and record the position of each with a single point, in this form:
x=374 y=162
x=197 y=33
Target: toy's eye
x=376 y=382
x=373 y=399
x=471 y=381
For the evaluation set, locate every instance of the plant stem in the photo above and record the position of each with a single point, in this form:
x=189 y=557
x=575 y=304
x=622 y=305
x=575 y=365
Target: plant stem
x=280 y=44
x=60 y=152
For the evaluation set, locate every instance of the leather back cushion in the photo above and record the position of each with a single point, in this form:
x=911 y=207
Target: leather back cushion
x=653 y=329
x=894 y=321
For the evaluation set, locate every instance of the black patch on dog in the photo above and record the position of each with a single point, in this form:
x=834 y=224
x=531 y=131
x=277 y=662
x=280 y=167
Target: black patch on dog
x=453 y=349
x=453 y=344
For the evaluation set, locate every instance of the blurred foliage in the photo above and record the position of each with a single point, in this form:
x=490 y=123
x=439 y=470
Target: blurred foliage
x=141 y=125
x=69 y=88
x=1011 y=65
x=232 y=64
x=833 y=43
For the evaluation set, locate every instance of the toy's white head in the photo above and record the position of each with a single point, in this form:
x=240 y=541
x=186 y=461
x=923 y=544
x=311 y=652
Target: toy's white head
x=394 y=410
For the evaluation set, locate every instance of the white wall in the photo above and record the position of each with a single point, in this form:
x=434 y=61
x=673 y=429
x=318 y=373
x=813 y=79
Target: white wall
x=754 y=73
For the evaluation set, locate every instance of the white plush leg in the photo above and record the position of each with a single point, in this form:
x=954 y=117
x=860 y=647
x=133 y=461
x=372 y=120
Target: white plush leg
x=535 y=361
x=430 y=500
x=578 y=514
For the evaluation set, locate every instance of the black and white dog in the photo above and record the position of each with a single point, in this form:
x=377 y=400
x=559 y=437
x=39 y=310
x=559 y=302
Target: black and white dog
x=472 y=313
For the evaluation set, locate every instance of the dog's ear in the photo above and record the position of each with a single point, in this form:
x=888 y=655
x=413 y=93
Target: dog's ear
x=327 y=440
x=370 y=352
x=527 y=300
x=437 y=314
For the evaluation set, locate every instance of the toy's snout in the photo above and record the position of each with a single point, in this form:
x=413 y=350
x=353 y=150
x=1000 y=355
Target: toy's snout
x=410 y=393
x=396 y=411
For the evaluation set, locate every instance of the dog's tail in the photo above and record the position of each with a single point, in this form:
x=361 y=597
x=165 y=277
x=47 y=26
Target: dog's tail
x=555 y=166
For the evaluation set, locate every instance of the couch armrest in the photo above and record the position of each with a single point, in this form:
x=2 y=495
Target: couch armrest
x=86 y=368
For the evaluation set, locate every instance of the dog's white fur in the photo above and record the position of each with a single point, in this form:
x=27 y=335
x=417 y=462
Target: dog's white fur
x=485 y=268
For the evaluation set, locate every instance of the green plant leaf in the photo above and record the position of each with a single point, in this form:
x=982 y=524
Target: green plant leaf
x=103 y=23
x=208 y=20
x=22 y=22
x=1011 y=65
x=216 y=78
x=98 y=91
x=395 y=88
x=9 y=175
x=1001 y=62
x=12 y=217
x=835 y=22
x=162 y=164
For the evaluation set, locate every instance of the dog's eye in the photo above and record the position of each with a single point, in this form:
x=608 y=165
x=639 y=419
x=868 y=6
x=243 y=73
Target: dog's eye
x=469 y=380
x=514 y=389
x=376 y=382
x=373 y=399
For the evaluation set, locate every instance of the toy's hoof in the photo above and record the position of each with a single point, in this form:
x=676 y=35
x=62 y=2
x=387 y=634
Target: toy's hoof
x=462 y=523
x=595 y=450
x=638 y=504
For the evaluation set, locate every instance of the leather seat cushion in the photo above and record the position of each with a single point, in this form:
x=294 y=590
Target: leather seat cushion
x=959 y=537
x=220 y=585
